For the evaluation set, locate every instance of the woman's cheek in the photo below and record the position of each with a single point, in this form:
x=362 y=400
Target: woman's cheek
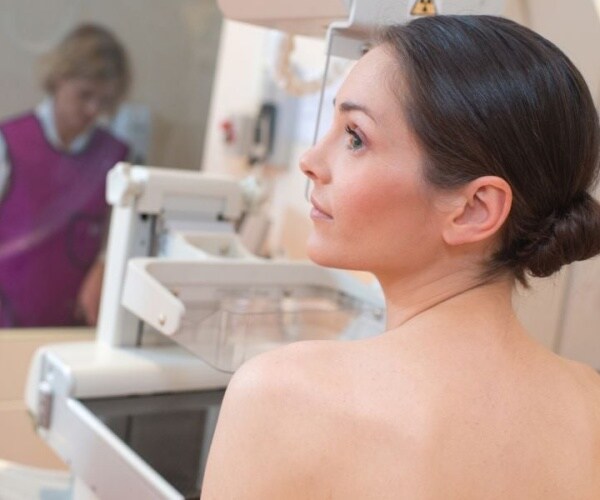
x=362 y=203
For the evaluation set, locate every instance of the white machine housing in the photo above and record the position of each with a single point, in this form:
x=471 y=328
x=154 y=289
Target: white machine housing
x=347 y=24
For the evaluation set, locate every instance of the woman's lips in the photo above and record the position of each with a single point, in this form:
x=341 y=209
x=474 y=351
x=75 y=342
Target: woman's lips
x=317 y=212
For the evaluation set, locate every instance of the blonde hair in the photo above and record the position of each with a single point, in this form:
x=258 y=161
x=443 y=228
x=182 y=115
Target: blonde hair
x=91 y=52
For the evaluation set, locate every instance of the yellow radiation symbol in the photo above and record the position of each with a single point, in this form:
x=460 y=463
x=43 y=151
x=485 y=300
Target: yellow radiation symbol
x=424 y=8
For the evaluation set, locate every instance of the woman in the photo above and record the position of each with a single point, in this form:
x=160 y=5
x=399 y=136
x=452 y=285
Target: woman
x=466 y=167
x=53 y=166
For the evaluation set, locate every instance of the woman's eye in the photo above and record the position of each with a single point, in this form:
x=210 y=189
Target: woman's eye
x=354 y=140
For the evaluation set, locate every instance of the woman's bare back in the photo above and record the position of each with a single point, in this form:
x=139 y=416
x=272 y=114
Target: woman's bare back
x=396 y=424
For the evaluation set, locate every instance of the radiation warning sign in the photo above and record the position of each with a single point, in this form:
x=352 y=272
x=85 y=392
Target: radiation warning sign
x=423 y=8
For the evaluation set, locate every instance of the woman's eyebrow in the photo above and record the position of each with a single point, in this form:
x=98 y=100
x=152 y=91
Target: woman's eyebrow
x=348 y=106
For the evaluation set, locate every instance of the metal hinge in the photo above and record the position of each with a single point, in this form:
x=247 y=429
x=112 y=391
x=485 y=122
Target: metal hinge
x=45 y=399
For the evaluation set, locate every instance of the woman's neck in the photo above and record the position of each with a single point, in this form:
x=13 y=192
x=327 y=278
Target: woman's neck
x=66 y=135
x=444 y=295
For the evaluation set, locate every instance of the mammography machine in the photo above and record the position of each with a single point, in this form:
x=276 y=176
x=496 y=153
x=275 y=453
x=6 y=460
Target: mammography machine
x=184 y=304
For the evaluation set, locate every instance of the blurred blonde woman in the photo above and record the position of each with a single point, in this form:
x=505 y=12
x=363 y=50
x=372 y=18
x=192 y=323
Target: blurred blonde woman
x=53 y=165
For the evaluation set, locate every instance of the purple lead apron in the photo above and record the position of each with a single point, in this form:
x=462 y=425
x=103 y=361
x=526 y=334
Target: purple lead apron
x=52 y=221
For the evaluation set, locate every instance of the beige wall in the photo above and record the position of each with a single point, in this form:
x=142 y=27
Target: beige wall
x=173 y=47
x=18 y=440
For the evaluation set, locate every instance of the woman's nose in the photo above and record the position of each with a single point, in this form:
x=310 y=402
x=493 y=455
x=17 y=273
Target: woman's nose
x=313 y=165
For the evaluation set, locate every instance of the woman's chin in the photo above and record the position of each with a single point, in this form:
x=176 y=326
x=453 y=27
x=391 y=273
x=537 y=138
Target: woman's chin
x=324 y=255
x=317 y=251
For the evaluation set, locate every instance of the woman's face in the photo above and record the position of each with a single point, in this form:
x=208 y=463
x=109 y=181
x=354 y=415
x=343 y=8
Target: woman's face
x=372 y=209
x=79 y=102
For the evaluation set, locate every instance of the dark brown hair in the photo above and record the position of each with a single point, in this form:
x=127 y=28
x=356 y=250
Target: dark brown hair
x=89 y=51
x=487 y=96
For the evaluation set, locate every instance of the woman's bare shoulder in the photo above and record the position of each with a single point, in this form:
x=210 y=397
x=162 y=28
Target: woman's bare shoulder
x=295 y=381
x=267 y=424
x=576 y=392
x=587 y=380
x=288 y=371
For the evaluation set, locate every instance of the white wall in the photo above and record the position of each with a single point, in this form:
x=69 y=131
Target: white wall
x=236 y=90
x=246 y=59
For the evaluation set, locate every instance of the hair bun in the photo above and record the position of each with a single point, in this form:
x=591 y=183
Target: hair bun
x=565 y=237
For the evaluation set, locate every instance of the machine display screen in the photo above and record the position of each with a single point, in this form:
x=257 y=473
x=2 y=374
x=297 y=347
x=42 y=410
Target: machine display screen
x=170 y=432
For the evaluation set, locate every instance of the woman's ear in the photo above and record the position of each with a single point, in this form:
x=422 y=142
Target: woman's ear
x=480 y=210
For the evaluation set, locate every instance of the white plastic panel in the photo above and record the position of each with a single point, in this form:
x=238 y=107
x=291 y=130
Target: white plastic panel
x=107 y=466
x=98 y=371
x=226 y=312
